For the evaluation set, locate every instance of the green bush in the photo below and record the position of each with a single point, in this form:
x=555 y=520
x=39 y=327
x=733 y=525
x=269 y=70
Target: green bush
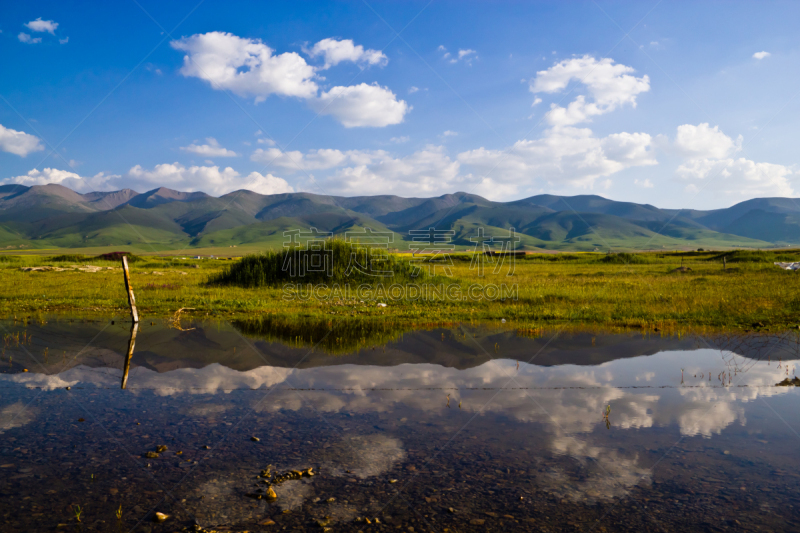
x=275 y=267
x=117 y=257
x=623 y=258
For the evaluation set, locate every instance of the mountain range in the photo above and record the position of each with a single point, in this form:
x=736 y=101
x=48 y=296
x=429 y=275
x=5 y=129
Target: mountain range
x=53 y=216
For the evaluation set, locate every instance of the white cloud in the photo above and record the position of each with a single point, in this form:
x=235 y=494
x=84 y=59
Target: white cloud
x=68 y=179
x=246 y=67
x=536 y=101
x=761 y=55
x=65 y=40
x=25 y=38
x=708 y=151
x=703 y=141
x=42 y=25
x=400 y=140
x=449 y=133
x=738 y=177
x=426 y=172
x=18 y=142
x=609 y=85
x=211 y=149
x=292 y=161
x=646 y=184
x=564 y=157
x=412 y=89
x=209 y=179
x=249 y=67
x=362 y=105
x=465 y=55
x=335 y=51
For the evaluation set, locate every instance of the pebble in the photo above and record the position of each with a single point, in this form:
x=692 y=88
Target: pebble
x=255 y=439
x=160 y=517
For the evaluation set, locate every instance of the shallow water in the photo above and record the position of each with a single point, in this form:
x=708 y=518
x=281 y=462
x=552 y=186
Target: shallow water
x=471 y=428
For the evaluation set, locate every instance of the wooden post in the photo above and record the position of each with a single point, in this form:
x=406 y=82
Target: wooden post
x=131 y=299
x=129 y=356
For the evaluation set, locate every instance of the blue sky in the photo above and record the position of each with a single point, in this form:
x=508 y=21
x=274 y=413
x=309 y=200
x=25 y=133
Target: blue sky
x=673 y=104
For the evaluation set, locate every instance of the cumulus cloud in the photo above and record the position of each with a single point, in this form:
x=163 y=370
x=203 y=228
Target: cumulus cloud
x=761 y=55
x=565 y=156
x=362 y=105
x=210 y=179
x=18 y=142
x=738 y=177
x=25 y=38
x=335 y=51
x=210 y=149
x=428 y=171
x=296 y=160
x=40 y=25
x=609 y=86
x=248 y=67
x=76 y=182
x=708 y=151
x=703 y=141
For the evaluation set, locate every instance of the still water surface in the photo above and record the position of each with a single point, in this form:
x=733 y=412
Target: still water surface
x=471 y=428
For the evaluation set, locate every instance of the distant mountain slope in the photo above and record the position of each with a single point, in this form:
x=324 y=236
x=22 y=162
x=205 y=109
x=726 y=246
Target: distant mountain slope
x=53 y=215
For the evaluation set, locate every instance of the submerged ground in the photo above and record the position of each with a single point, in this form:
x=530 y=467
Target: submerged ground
x=460 y=429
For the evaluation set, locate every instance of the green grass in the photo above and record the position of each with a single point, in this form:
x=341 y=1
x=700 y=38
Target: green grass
x=579 y=288
x=338 y=262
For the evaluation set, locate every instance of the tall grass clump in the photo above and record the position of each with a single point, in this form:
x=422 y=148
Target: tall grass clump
x=623 y=258
x=344 y=262
x=117 y=256
x=338 y=337
x=758 y=256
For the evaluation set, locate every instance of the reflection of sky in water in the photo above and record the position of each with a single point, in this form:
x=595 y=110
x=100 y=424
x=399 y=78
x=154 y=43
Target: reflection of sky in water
x=572 y=396
x=566 y=401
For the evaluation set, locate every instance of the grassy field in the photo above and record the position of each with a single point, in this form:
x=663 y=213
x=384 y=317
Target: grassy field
x=647 y=290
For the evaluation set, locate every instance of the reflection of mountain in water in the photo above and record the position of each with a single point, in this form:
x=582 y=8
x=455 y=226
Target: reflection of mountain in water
x=285 y=344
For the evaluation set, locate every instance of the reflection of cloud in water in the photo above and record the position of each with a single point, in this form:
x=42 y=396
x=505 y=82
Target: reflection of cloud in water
x=363 y=455
x=605 y=474
x=222 y=501
x=209 y=379
x=292 y=493
x=206 y=409
x=16 y=415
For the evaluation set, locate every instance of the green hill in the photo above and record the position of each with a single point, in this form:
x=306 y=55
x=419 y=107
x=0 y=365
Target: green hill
x=51 y=216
